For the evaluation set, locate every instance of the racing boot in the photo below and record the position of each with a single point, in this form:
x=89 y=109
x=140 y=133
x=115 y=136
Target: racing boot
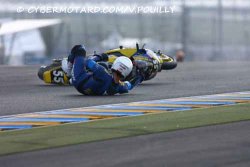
x=77 y=50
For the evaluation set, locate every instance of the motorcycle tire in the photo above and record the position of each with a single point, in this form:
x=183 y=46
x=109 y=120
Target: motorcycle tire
x=169 y=65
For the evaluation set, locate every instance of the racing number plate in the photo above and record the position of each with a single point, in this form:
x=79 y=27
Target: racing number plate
x=57 y=76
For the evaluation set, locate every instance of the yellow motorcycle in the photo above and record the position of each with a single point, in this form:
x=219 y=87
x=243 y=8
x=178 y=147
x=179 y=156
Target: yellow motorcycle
x=154 y=62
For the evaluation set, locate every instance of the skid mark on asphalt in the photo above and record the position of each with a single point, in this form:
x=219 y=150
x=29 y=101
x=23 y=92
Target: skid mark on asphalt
x=85 y=114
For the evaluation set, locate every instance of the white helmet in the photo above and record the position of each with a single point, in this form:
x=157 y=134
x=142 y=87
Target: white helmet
x=123 y=65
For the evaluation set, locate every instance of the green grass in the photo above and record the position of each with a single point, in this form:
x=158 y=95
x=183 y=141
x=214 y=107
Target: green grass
x=69 y=134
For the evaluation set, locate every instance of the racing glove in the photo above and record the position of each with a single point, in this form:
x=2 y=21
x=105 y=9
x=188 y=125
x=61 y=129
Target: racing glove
x=101 y=57
x=129 y=85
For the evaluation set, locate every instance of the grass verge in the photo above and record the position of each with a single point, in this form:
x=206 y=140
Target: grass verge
x=69 y=134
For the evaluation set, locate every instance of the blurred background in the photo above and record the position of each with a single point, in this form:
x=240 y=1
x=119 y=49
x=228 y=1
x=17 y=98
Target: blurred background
x=202 y=30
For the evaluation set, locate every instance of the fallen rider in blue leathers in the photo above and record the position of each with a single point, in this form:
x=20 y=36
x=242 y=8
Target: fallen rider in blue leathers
x=97 y=80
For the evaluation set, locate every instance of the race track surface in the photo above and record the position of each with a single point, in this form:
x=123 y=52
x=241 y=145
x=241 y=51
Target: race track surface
x=223 y=145
x=22 y=92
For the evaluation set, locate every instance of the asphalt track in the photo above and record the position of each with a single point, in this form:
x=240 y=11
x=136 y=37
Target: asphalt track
x=21 y=91
x=226 y=145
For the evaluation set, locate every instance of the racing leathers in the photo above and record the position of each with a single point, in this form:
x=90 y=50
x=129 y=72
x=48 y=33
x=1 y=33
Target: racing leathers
x=90 y=78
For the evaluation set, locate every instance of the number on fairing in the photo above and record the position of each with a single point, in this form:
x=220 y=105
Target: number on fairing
x=58 y=76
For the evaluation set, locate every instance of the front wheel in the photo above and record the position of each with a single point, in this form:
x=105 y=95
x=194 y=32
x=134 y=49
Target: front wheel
x=169 y=65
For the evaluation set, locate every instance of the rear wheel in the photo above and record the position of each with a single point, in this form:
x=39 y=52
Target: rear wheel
x=41 y=71
x=56 y=64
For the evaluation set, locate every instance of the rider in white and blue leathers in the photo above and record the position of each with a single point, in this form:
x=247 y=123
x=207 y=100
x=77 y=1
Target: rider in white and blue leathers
x=97 y=80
